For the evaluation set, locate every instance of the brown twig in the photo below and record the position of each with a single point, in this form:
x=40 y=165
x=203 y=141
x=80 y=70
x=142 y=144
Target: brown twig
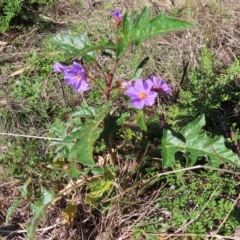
x=105 y=76
x=12 y=232
x=185 y=68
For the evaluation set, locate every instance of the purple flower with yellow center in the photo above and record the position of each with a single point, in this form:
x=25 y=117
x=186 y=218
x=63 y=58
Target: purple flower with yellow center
x=160 y=85
x=141 y=94
x=74 y=76
x=118 y=17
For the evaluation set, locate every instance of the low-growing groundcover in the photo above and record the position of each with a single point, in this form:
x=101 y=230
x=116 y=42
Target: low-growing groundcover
x=106 y=145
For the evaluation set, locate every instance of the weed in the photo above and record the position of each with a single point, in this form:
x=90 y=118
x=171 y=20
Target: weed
x=32 y=105
x=206 y=91
x=10 y=9
x=13 y=9
x=27 y=159
x=194 y=203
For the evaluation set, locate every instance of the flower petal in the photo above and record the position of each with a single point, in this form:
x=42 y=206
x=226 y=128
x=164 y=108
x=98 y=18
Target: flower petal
x=116 y=14
x=78 y=67
x=131 y=92
x=137 y=103
x=58 y=67
x=78 y=86
x=150 y=100
x=160 y=85
x=138 y=85
x=148 y=85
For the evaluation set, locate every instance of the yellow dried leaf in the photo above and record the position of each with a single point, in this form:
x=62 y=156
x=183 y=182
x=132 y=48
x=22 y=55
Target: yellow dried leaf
x=3 y=43
x=69 y=213
x=19 y=71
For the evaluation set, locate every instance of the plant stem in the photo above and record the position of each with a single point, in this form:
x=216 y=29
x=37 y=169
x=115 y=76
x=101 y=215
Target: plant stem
x=105 y=76
x=111 y=74
x=110 y=79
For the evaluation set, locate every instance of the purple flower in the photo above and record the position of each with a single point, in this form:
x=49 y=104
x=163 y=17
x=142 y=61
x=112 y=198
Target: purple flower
x=141 y=94
x=74 y=76
x=58 y=67
x=160 y=86
x=118 y=17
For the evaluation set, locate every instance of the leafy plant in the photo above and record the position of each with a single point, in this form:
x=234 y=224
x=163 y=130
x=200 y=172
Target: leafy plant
x=80 y=143
x=195 y=145
x=137 y=28
x=111 y=144
x=197 y=201
x=38 y=209
x=207 y=91
x=11 y=9
x=105 y=143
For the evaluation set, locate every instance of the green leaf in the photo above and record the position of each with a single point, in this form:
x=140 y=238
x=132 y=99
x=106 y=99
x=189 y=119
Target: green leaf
x=75 y=173
x=194 y=145
x=97 y=171
x=140 y=120
x=136 y=31
x=81 y=142
x=110 y=126
x=80 y=45
x=99 y=188
x=38 y=210
x=11 y=209
x=24 y=190
x=139 y=69
x=87 y=112
x=60 y=155
x=59 y=129
x=69 y=43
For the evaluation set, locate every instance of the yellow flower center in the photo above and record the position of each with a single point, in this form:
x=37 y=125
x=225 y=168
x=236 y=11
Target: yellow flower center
x=142 y=95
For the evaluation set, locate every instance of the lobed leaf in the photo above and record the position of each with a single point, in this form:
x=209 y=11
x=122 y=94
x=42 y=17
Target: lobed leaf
x=194 y=145
x=38 y=210
x=80 y=45
x=85 y=112
x=80 y=142
x=110 y=126
x=140 y=120
x=139 y=69
x=24 y=191
x=11 y=209
x=95 y=195
x=136 y=29
x=97 y=189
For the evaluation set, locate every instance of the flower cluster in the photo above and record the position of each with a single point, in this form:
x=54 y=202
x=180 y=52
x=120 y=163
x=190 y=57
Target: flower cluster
x=141 y=92
x=144 y=92
x=74 y=76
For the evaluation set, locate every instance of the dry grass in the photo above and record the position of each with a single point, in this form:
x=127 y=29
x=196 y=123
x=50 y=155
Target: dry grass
x=217 y=26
